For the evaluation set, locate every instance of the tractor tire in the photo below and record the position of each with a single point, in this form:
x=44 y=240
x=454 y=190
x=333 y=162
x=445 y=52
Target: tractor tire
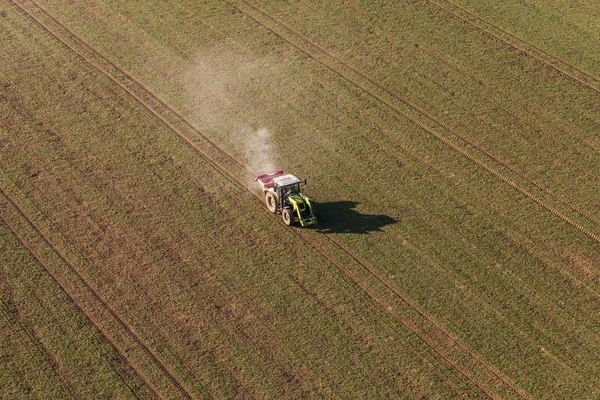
x=288 y=216
x=270 y=201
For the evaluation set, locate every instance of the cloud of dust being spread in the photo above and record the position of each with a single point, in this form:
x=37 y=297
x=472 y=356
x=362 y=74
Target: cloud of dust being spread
x=221 y=86
x=259 y=149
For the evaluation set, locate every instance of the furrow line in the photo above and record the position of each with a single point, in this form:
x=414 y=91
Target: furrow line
x=444 y=140
x=489 y=306
x=72 y=297
x=564 y=271
x=461 y=151
x=39 y=348
x=496 y=373
x=514 y=46
x=217 y=165
x=410 y=326
x=385 y=306
x=32 y=338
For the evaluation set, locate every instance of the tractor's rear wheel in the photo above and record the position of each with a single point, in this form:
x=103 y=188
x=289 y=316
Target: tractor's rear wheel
x=288 y=216
x=270 y=201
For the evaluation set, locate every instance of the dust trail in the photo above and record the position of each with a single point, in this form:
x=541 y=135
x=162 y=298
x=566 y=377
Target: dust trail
x=222 y=87
x=259 y=149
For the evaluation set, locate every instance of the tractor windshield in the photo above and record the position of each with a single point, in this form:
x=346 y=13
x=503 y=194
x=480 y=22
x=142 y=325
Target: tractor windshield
x=290 y=189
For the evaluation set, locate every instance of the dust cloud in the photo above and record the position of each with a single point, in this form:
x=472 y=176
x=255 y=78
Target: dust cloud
x=259 y=149
x=222 y=86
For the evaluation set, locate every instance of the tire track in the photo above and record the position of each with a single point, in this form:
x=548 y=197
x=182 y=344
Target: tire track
x=591 y=290
x=62 y=287
x=219 y=167
x=404 y=299
x=503 y=163
x=488 y=32
x=26 y=336
x=251 y=173
x=228 y=174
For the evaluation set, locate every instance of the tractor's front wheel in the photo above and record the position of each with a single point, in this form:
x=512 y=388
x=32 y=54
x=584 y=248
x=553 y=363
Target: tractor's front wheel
x=270 y=201
x=288 y=216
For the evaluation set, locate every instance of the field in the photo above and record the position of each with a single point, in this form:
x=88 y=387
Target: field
x=451 y=149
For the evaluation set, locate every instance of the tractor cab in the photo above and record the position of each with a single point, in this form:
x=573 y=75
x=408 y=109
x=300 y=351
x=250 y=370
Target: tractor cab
x=286 y=186
x=283 y=196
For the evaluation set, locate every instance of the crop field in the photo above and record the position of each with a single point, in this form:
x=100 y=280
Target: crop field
x=451 y=151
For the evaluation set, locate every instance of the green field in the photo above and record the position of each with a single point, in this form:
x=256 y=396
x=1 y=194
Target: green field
x=451 y=150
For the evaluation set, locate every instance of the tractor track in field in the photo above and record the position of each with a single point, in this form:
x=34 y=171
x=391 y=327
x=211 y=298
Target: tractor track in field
x=566 y=65
x=478 y=298
x=376 y=86
x=39 y=348
x=564 y=271
x=77 y=303
x=487 y=153
x=225 y=172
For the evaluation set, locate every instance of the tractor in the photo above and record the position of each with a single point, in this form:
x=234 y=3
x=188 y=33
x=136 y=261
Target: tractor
x=282 y=196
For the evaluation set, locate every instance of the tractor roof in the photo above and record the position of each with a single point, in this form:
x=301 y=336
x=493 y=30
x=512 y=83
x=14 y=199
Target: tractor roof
x=287 y=179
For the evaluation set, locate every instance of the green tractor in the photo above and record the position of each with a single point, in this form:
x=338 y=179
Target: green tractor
x=283 y=196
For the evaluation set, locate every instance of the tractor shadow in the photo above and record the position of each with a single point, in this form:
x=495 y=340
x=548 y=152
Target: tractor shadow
x=341 y=217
